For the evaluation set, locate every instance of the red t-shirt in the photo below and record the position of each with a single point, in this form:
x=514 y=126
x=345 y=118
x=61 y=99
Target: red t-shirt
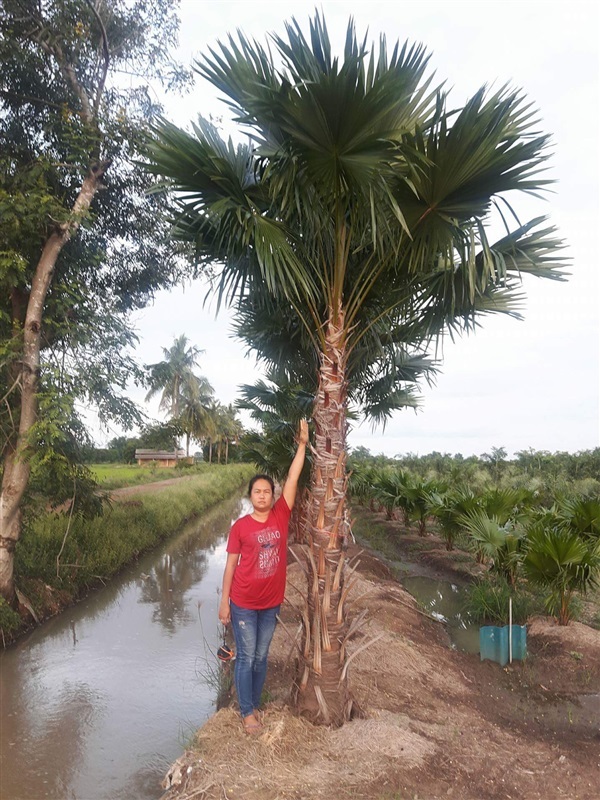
x=259 y=578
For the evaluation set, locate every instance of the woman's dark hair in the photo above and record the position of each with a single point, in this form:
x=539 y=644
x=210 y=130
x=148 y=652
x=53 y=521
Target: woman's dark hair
x=267 y=478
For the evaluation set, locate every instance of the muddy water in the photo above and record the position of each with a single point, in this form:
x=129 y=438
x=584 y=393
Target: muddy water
x=445 y=601
x=97 y=703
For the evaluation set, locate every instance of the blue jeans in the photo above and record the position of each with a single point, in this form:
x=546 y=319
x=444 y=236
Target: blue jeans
x=252 y=631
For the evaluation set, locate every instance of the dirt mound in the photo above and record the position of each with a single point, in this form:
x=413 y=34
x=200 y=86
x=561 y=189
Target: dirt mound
x=435 y=723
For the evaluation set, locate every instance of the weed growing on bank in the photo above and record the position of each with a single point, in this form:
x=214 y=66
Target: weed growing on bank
x=10 y=621
x=76 y=555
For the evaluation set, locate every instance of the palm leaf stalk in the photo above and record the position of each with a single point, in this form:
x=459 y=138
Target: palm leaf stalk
x=364 y=203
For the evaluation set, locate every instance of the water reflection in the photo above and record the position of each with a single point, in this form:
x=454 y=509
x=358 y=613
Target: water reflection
x=94 y=704
x=167 y=584
x=446 y=602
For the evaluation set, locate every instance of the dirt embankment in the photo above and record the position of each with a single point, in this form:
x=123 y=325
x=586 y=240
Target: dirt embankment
x=437 y=723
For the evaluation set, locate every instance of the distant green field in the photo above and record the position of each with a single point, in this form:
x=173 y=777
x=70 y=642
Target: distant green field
x=116 y=476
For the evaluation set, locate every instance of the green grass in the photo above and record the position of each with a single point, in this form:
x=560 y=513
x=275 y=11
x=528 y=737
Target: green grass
x=487 y=602
x=96 y=549
x=117 y=476
x=10 y=621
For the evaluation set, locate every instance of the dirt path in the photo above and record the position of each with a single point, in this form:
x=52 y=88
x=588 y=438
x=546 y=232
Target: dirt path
x=436 y=723
x=128 y=491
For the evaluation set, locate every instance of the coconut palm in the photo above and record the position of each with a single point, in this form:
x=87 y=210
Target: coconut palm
x=195 y=404
x=363 y=201
x=229 y=430
x=174 y=377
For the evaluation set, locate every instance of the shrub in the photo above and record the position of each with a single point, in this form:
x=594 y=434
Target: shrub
x=488 y=601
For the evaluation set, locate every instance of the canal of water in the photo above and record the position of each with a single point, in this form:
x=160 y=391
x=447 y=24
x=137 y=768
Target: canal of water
x=99 y=701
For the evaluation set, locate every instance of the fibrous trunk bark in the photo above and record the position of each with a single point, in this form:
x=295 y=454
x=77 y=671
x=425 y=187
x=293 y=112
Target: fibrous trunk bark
x=16 y=465
x=322 y=685
x=299 y=518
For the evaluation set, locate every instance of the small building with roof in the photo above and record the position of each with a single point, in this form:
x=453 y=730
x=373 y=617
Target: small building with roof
x=158 y=458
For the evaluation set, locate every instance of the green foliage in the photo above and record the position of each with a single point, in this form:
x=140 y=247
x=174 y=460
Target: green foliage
x=509 y=527
x=174 y=378
x=390 y=489
x=100 y=547
x=117 y=476
x=159 y=436
x=562 y=562
x=10 y=621
x=64 y=111
x=488 y=602
x=395 y=489
x=449 y=511
x=582 y=515
x=278 y=408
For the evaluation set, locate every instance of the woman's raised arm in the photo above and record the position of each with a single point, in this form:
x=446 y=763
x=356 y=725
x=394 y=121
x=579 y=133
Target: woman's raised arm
x=290 y=486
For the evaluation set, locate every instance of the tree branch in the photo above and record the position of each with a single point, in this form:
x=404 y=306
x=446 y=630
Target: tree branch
x=68 y=72
x=106 y=53
x=27 y=98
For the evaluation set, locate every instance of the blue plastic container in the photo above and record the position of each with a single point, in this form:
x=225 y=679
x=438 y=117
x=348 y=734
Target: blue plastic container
x=493 y=643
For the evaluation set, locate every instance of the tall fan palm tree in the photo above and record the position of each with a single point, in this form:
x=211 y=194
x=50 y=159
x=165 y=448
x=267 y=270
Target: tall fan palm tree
x=363 y=201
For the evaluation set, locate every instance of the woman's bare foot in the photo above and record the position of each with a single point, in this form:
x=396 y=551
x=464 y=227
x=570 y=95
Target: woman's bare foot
x=251 y=725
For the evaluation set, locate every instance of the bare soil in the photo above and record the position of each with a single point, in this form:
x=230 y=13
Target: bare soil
x=435 y=722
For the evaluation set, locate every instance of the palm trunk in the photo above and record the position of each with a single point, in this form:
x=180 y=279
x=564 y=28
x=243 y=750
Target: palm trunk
x=322 y=686
x=16 y=468
x=298 y=519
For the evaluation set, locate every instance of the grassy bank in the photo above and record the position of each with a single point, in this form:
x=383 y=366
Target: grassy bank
x=58 y=561
x=117 y=476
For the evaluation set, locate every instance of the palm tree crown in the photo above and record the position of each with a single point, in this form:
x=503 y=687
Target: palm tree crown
x=174 y=377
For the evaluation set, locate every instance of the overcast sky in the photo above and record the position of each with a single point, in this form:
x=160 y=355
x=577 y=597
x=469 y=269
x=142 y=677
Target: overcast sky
x=513 y=384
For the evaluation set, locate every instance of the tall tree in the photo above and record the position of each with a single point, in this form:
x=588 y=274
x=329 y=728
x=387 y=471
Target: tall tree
x=195 y=414
x=363 y=201
x=82 y=243
x=174 y=377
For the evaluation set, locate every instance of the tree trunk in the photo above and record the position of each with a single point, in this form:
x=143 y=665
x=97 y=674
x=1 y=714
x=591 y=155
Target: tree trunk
x=322 y=686
x=299 y=517
x=16 y=467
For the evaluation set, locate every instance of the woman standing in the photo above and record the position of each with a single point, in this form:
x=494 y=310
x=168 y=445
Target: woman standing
x=254 y=581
